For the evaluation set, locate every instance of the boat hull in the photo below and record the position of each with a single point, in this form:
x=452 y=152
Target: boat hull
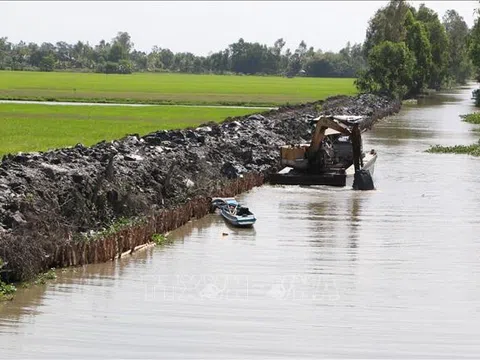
x=238 y=221
x=337 y=178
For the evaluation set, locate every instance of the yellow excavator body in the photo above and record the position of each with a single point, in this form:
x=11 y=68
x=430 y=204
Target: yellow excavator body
x=296 y=156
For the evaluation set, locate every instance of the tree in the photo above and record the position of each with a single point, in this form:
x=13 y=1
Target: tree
x=459 y=64
x=475 y=47
x=101 y=52
x=166 y=57
x=358 y=60
x=319 y=67
x=19 y=56
x=418 y=43
x=47 y=63
x=119 y=56
x=388 y=24
x=301 y=52
x=124 y=67
x=139 y=60
x=294 y=65
x=5 y=50
x=278 y=46
x=437 y=36
x=474 y=52
x=64 y=54
x=331 y=64
x=125 y=41
x=426 y=39
x=390 y=70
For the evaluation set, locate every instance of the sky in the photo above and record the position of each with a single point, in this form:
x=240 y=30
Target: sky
x=201 y=27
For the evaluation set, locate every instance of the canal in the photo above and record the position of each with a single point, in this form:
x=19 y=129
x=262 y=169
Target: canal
x=324 y=273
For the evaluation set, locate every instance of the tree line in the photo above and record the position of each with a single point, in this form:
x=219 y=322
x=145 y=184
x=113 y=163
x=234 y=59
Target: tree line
x=242 y=57
x=474 y=48
x=410 y=50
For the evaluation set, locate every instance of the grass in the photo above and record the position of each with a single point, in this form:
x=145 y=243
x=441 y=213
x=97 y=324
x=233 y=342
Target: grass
x=169 y=88
x=7 y=291
x=473 y=149
x=43 y=278
x=160 y=239
x=37 y=127
x=473 y=118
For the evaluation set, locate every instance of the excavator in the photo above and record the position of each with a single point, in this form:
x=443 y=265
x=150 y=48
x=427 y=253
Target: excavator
x=334 y=156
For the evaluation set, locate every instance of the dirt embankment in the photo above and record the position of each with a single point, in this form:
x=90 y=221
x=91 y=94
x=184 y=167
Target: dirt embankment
x=48 y=199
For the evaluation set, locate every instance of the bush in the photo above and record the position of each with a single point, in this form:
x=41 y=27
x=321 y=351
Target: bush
x=124 y=67
x=160 y=239
x=47 y=63
x=473 y=149
x=476 y=96
x=110 y=67
x=6 y=291
x=473 y=118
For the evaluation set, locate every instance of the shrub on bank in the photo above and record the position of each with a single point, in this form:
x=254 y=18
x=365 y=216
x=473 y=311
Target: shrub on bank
x=473 y=149
x=473 y=118
x=476 y=96
x=6 y=291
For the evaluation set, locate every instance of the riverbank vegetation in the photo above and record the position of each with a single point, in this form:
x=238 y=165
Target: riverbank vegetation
x=410 y=51
x=160 y=239
x=473 y=44
x=7 y=291
x=473 y=149
x=475 y=53
x=473 y=118
x=169 y=88
x=32 y=127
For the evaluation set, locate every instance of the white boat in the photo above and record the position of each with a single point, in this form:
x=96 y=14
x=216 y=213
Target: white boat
x=233 y=212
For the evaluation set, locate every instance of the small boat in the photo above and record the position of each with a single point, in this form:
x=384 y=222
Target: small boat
x=233 y=212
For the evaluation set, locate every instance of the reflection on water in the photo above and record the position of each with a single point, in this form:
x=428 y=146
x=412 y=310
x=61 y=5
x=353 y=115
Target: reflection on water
x=324 y=272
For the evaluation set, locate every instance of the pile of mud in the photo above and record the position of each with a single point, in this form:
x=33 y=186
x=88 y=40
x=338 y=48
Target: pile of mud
x=47 y=198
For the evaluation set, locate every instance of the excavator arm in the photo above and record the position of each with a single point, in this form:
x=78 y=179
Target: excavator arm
x=323 y=124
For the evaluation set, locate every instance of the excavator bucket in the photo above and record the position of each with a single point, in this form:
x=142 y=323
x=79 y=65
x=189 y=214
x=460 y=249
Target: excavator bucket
x=362 y=180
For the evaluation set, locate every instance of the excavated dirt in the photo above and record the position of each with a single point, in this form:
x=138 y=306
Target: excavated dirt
x=48 y=198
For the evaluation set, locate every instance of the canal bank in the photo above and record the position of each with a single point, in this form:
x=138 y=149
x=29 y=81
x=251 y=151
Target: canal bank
x=57 y=208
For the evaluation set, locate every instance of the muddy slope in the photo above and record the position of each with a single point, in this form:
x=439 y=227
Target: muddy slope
x=47 y=199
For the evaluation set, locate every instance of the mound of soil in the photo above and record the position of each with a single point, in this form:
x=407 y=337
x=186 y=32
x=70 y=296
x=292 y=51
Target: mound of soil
x=46 y=198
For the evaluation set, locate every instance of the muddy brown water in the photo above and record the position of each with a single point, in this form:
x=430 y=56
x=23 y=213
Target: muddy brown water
x=324 y=273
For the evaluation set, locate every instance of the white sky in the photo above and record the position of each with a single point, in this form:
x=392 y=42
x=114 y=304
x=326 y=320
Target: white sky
x=200 y=27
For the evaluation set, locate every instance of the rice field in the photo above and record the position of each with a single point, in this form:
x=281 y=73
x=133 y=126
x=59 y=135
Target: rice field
x=39 y=127
x=161 y=88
